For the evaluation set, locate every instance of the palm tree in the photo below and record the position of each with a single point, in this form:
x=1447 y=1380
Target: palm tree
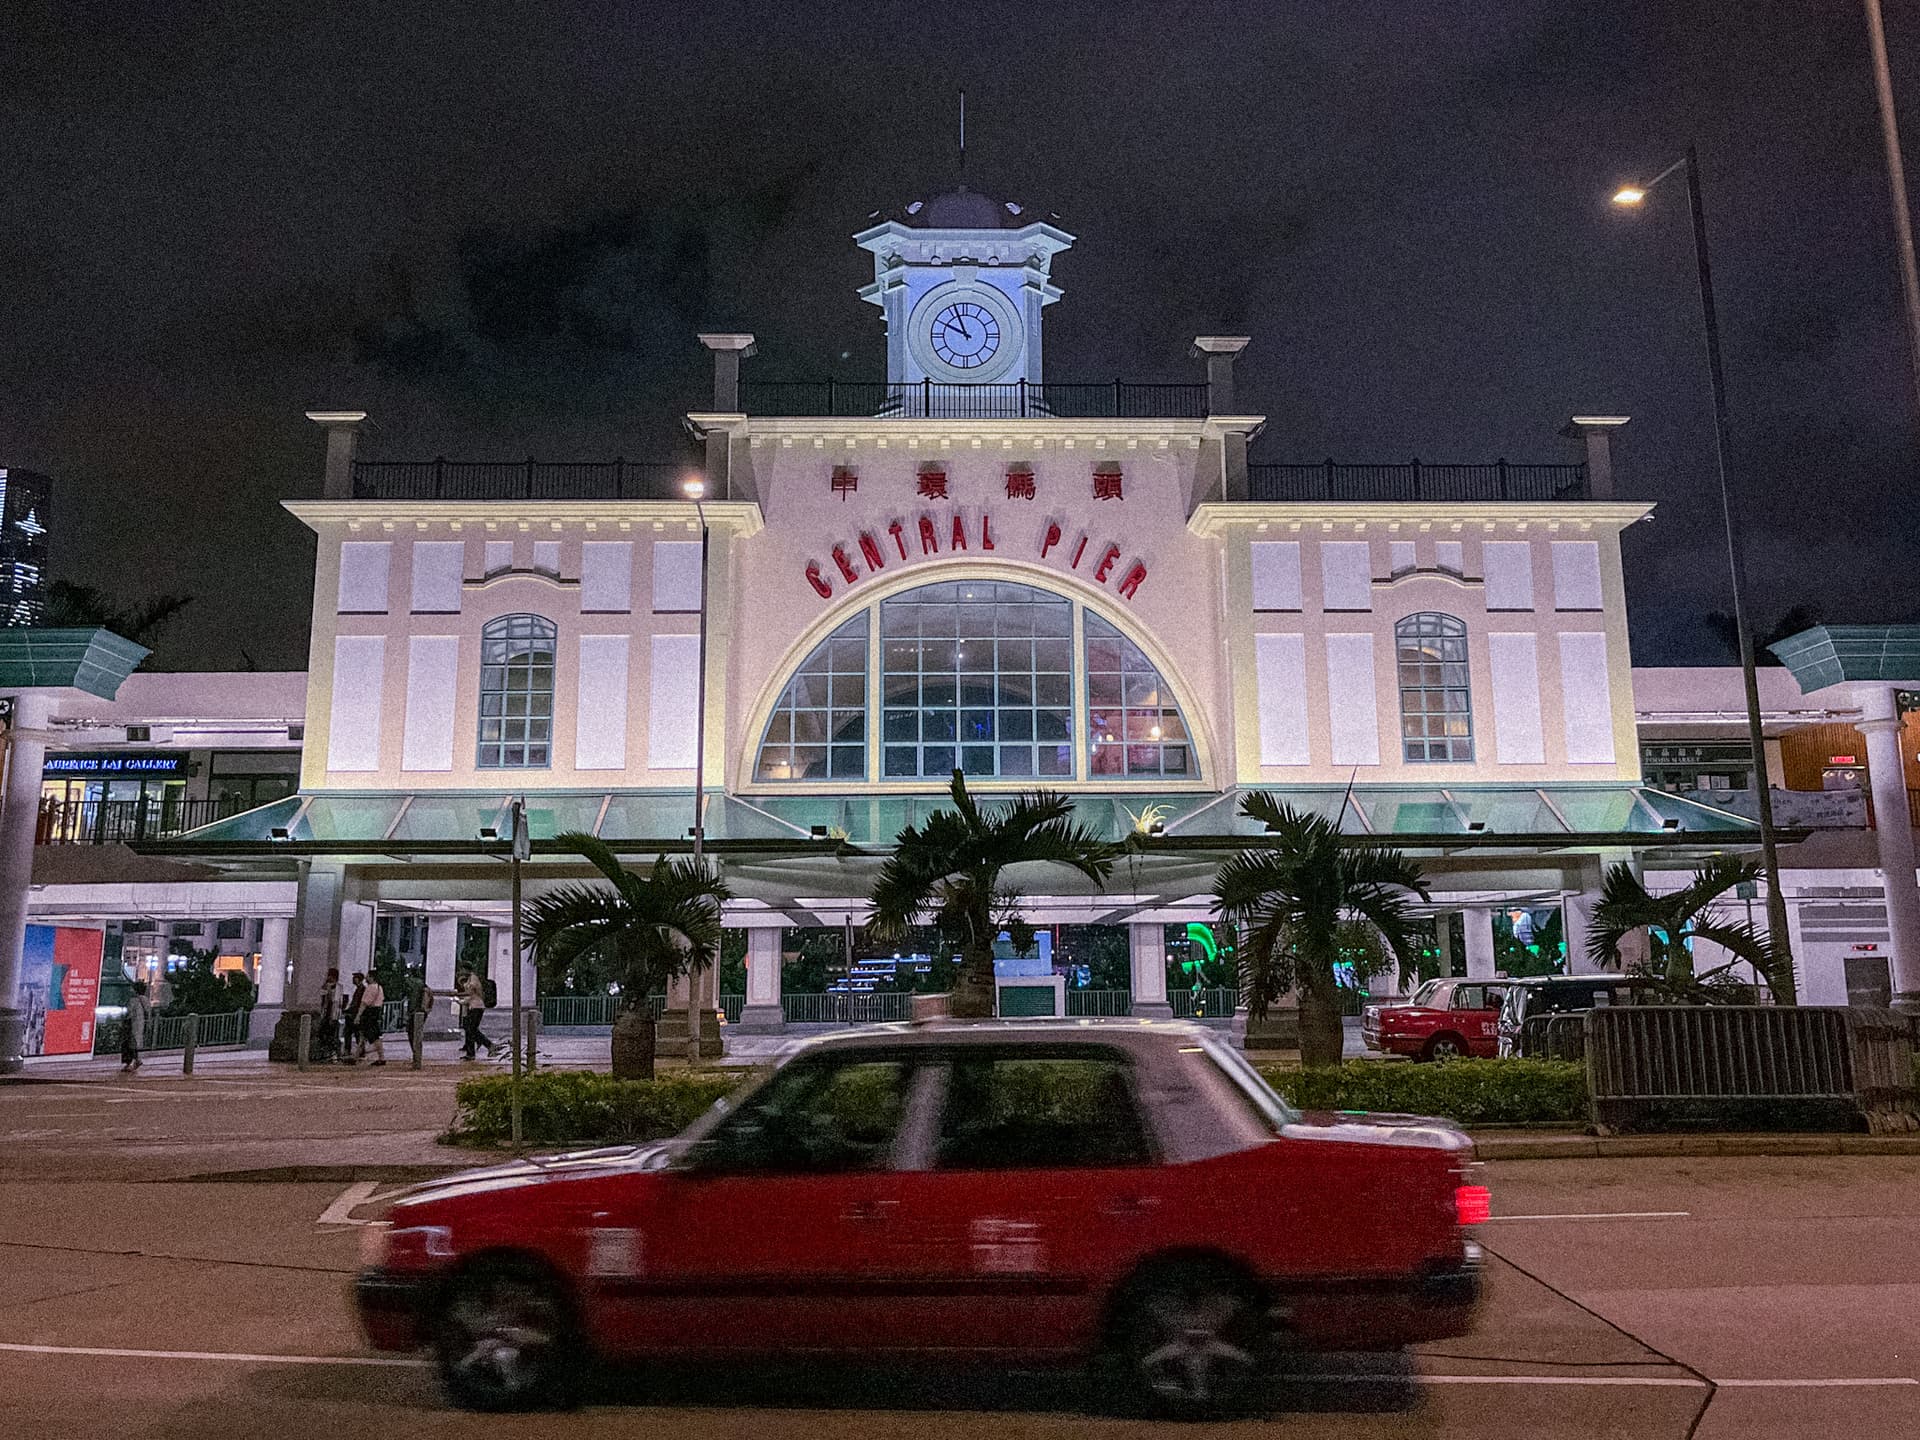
x=1299 y=902
x=641 y=928
x=953 y=868
x=73 y=606
x=1673 y=922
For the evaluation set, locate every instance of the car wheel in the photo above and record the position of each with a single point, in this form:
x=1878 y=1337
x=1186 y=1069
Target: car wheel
x=1193 y=1341
x=1444 y=1047
x=504 y=1337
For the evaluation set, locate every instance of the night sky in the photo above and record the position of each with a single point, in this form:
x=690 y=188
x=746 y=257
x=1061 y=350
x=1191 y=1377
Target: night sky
x=497 y=226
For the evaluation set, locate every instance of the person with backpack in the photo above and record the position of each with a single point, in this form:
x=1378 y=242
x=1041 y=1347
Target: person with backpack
x=471 y=993
x=352 y=1028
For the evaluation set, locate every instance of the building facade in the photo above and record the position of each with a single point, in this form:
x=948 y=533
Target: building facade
x=25 y=499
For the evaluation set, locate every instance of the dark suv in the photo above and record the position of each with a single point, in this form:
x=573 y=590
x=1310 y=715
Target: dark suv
x=1530 y=1004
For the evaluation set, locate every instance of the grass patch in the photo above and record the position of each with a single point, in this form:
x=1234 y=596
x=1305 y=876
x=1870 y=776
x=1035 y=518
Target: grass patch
x=1472 y=1092
x=567 y=1107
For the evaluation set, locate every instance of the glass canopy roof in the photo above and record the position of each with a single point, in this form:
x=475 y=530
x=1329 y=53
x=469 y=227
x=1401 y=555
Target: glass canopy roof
x=453 y=822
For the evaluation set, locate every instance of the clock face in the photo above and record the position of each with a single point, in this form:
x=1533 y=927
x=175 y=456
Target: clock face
x=965 y=335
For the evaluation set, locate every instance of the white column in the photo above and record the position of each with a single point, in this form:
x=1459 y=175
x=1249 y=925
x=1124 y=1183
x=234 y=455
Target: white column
x=1576 y=918
x=1147 y=957
x=356 y=935
x=1893 y=837
x=270 y=997
x=1478 y=920
x=762 y=1014
x=1443 y=941
x=18 y=821
x=443 y=952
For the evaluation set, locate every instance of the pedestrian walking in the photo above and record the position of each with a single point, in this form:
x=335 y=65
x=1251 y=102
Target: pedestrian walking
x=133 y=1033
x=471 y=995
x=372 y=999
x=352 y=1029
x=328 y=1031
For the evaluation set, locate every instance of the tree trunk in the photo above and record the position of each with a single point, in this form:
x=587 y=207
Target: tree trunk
x=1321 y=1035
x=973 y=987
x=633 y=1043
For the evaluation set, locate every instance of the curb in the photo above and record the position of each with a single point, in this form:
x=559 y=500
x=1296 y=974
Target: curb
x=1666 y=1147
x=323 y=1174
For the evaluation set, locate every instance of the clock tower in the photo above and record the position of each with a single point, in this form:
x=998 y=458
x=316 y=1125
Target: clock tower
x=962 y=280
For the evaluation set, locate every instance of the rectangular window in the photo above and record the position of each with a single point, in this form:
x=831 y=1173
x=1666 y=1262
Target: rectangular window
x=1586 y=698
x=1346 y=574
x=1041 y=1113
x=353 y=726
x=672 y=701
x=499 y=556
x=1517 y=737
x=438 y=568
x=546 y=556
x=1508 y=565
x=1353 y=703
x=517 y=655
x=364 y=565
x=1276 y=574
x=1436 y=705
x=433 y=664
x=600 y=719
x=1401 y=555
x=1280 y=665
x=1576 y=575
x=1448 y=555
x=606 y=576
x=676 y=577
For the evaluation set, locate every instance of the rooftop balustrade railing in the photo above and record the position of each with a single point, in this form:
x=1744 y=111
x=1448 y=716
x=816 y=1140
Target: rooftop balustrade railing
x=443 y=479
x=942 y=400
x=1416 y=480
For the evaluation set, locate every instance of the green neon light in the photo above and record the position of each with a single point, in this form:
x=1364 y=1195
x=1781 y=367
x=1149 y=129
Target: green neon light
x=1202 y=935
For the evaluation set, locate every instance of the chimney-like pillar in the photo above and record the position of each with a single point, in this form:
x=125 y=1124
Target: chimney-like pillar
x=1597 y=431
x=728 y=352
x=1220 y=351
x=343 y=428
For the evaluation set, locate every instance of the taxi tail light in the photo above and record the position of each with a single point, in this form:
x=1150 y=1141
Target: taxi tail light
x=1472 y=1204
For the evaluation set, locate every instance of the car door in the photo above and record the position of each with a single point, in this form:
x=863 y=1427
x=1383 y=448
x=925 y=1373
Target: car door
x=763 y=1237
x=1476 y=1015
x=1039 y=1185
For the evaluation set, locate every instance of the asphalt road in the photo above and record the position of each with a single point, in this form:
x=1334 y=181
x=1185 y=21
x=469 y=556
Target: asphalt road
x=1633 y=1297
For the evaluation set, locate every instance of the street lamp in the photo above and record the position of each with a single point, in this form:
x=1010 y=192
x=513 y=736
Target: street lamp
x=1631 y=196
x=695 y=489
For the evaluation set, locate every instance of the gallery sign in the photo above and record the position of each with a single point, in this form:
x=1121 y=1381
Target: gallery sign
x=117 y=762
x=931 y=535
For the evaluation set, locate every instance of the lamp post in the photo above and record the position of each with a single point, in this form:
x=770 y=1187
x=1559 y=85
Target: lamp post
x=1634 y=195
x=1896 y=187
x=696 y=490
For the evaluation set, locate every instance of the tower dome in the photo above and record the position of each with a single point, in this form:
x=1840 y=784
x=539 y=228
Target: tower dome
x=963 y=209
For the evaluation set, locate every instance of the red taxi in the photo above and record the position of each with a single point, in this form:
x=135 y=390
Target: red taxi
x=1444 y=1020
x=1030 y=1192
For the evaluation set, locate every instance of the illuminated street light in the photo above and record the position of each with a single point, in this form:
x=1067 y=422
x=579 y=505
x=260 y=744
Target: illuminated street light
x=1632 y=195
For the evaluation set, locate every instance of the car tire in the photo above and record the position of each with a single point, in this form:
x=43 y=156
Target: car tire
x=504 y=1337
x=1445 y=1047
x=1193 y=1341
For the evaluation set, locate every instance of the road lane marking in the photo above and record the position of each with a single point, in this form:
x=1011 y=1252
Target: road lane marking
x=1816 y=1384
x=1606 y=1215
x=230 y=1357
x=340 y=1212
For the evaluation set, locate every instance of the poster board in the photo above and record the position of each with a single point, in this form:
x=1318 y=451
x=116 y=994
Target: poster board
x=59 y=988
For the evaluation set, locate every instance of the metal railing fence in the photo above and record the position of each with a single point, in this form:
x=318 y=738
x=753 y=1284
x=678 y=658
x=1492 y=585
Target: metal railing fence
x=1109 y=1004
x=1416 y=480
x=1016 y=399
x=1213 y=1002
x=847 y=1009
x=169 y=1032
x=113 y=822
x=529 y=479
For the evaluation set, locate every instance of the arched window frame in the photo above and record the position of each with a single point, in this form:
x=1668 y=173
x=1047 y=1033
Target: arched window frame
x=1434 y=678
x=515 y=703
x=1079 y=711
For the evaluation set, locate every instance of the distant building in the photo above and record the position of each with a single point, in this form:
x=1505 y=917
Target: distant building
x=24 y=497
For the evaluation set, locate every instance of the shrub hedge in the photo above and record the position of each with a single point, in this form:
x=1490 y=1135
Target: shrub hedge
x=560 y=1107
x=1473 y=1092
x=572 y=1107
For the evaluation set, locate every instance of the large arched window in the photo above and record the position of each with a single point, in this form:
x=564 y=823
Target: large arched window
x=516 y=693
x=998 y=680
x=976 y=676
x=1134 y=726
x=818 y=730
x=1436 y=701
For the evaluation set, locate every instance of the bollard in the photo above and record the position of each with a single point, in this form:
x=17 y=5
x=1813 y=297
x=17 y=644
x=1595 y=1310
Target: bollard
x=417 y=1034
x=186 y=1050
x=305 y=1041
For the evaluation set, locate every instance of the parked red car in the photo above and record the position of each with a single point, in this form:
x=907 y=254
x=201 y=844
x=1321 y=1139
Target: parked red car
x=1444 y=1020
x=1032 y=1191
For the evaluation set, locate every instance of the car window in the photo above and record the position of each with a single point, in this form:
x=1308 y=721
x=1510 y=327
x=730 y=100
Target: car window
x=816 y=1117
x=1469 y=997
x=1424 y=995
x=1006 y=1112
